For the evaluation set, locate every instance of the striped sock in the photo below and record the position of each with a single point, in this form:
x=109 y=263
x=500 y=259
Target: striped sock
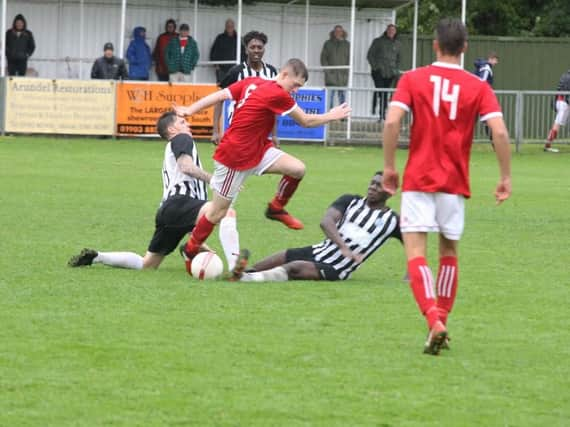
x=447 y=279
x=285 y=190
x=421 y=282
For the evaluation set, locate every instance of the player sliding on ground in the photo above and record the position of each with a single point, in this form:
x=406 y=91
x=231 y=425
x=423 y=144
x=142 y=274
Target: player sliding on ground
x=444 y=101
x=355 y=227
x=246 y=150
x=184 y=200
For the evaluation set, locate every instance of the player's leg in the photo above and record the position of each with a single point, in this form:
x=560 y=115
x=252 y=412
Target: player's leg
x=293 y=171
x=562 y=112
x=113 y=259
x=451 y=219
x=226 y=184
x=229 y=238
x=295 y=270
x=447 y=277
x=271 y=261
x=418 y=217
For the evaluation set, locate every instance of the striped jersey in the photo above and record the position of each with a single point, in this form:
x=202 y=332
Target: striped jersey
x=243 y=71
x=174 y=181
x=362 y=228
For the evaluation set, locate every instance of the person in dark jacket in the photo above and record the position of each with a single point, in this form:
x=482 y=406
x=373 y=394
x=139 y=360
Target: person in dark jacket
x=20 y=46
x=484 y=67
x=159 y=53
x=335 y=52
x=561 y=102
x=109 y=67
x=224 y=49
x=138 y=55
x=384 y=59
x=182 y=55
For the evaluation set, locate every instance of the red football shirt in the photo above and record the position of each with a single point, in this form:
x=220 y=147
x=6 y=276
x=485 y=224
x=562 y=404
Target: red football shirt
x=257 y=102
x=445 y=101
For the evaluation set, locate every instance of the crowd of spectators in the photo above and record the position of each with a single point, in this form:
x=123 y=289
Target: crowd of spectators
x=176 y=54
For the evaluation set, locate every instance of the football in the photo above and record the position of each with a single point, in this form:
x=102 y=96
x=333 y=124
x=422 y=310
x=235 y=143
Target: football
x=207 y=265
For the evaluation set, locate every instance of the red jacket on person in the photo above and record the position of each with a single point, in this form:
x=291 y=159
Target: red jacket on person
x=159 y=52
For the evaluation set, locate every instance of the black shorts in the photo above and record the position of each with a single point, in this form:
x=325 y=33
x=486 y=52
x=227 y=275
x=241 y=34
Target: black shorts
x=174 y=219
x=326 y=271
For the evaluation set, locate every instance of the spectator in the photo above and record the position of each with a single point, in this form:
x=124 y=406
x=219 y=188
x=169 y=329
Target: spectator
x=336 y=51
x=562 y=111
x=484 y=67
x=109 y=67
x=182 y=55
x=224 y=49
x=20 y=46
x=384 y=59
x=139 y=56
x=159 y=52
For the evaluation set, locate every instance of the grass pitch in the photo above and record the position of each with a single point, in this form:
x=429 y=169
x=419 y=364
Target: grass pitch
x=102 y=346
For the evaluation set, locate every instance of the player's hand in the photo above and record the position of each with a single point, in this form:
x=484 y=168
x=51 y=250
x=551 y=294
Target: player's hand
x=347 y=253
x=215 y=137
x=276 y=141
x=179 y=110
x=503 y=190
x=390 y=181
x=341 y=111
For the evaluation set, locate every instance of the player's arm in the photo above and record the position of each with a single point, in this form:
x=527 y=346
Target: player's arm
x=329 y=226
x=500 y=137
x=187 y=166
x=182 y=147
x=313 y=120
x=206 y=102
x=390 y=137
x=217 y=125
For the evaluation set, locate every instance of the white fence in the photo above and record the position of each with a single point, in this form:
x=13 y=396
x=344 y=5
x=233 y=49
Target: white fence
x=529 y=115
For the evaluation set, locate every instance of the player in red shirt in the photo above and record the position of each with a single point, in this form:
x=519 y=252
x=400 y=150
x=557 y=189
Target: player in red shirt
x=245 y=148
x=444 y=101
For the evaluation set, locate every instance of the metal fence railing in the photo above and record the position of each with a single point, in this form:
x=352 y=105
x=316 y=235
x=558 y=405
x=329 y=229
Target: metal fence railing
x=528 y=115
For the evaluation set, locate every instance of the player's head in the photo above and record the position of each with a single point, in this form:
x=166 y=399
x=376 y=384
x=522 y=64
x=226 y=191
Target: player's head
x=493 y=58
x=293 y=75
x=450 y=37
x=254 y=42
x=169 y=125
x=376 y=194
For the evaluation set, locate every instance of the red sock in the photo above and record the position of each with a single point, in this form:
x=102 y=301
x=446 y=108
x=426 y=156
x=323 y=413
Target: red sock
x=285 y=190
x=421 y=282
x=199 y=235
x=447 y=279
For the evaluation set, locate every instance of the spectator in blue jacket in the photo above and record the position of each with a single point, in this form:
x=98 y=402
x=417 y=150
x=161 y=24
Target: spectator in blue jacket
x=139 y=56
x=484 y=67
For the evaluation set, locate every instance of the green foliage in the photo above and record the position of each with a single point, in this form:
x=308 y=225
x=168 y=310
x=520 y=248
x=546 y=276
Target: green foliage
x=101 y=346
x=497 y=18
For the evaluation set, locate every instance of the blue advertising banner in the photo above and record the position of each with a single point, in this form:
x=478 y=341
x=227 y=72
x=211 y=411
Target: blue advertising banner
x=312 y=101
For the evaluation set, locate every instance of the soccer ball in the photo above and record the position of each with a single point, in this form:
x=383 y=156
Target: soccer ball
x=207 y=265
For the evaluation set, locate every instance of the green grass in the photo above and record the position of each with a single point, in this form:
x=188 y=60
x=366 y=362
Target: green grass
x=101 y=346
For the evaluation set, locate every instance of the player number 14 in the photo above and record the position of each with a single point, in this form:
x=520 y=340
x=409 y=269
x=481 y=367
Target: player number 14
x=441 y=93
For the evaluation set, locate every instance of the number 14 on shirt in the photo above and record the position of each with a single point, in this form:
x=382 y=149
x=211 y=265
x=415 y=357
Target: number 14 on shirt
x=441 y=93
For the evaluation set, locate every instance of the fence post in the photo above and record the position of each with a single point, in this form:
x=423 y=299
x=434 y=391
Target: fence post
x=519 y=118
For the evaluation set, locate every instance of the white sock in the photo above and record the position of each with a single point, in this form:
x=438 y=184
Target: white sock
x=277 y=274
x=229 y=238
x=120 y=259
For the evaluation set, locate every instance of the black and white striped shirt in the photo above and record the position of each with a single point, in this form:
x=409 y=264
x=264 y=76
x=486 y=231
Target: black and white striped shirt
x=243 y=71
x=174 y=181
x=362 y=228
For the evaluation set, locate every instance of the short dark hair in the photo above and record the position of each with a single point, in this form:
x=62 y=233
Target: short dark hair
x=257 y=35
x=298 y=68
x=381 y=173
x=163 y=122
x=451 y=35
